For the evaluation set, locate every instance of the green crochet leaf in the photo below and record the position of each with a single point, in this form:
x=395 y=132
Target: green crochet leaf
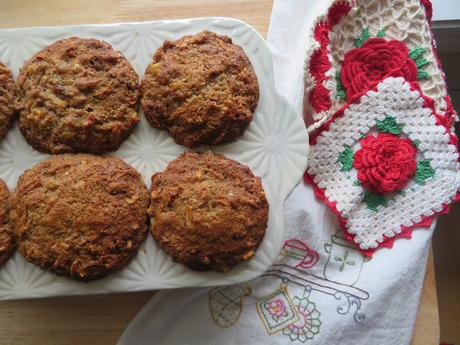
x=389 y=125
x=422 y=75
x=341 y=94
x=421 y=62
x=401 y=192
x=423 y=172
x=374 y=200
x=381 y=33
x=417 y=53
x=365 y=35
x=346 y=158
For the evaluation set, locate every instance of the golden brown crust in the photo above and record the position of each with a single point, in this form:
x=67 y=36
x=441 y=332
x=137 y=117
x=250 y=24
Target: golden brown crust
x=6 y=100
x=207 y=212
x=77 y=95
x=7 y=243
x=82 y=216
x=202 y=89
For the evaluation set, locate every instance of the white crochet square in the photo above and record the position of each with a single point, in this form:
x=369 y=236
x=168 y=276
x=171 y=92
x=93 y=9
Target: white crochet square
x=393 y=97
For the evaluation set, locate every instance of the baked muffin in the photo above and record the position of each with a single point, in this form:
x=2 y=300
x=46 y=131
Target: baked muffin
x=77 y=95
x=82 y=216
x=207 y=212
x=202 y=89
x=7 y=243
x=6 y=100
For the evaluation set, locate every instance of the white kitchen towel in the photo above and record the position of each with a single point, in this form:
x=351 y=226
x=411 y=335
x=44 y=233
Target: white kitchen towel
x=321 y=290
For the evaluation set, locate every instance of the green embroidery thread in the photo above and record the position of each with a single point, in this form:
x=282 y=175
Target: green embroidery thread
x=343 y=261
x=374 y=200
x=423 y=172
x=389 y=125
x=357 y=183
x=304 y=331
x=416 y=54
x=416 y=142
x=365 y=35
x=341 y=94
x=346 y=158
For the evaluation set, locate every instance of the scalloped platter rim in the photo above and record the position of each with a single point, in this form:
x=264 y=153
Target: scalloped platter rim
x=275 y=146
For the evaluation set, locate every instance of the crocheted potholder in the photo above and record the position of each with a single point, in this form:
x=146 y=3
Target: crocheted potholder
x=383 y=153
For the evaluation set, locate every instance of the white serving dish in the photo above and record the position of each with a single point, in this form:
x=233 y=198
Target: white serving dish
x=275 y=147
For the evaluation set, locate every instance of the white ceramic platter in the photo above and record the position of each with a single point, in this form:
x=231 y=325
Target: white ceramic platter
x=275 y=147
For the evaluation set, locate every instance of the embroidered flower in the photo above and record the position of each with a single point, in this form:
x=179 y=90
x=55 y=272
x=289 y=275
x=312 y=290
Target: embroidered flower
x=385 y=163
x=276 y=308
x=377 y=59
x=309 y=322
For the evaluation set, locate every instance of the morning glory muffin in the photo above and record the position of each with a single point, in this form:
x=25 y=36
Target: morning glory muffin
x=208 y=212
x=7 y=243
x=202 y=89
x=81 y=216
x=77 y=95
x=6 y=100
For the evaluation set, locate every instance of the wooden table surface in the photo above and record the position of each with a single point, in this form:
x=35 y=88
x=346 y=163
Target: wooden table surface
x=100 y=320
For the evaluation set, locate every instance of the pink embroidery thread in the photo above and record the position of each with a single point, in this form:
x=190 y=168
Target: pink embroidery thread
x=306 y=256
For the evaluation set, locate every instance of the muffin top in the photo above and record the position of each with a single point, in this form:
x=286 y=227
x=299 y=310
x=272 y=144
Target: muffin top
x=82 y=216
x=6 y=100
x=202 y=89
x=77 y=95
x=7 y=243
x=208 y=212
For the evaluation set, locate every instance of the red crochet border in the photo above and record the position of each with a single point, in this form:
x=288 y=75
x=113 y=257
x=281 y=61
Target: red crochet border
x=406 y=232
x=319 y=97
x=428 y=9
x=450 y=112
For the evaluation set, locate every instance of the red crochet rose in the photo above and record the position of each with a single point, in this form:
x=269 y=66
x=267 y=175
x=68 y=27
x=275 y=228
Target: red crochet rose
x=385 y=163
x=377 y=59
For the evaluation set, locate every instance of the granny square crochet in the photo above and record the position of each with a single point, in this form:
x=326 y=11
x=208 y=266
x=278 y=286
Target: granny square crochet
x=383 y=154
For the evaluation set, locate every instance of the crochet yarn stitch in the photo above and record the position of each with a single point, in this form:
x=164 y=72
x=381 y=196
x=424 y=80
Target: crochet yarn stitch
x=383 y=155
x=359 y=21
x=385 y=163
x=395 y=192
x=376 y=59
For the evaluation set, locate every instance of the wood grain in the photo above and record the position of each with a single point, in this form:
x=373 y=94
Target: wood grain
x=426 y=330
x=87 y=320
x=100 y=320
x=446 y=242
x=21 y=13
